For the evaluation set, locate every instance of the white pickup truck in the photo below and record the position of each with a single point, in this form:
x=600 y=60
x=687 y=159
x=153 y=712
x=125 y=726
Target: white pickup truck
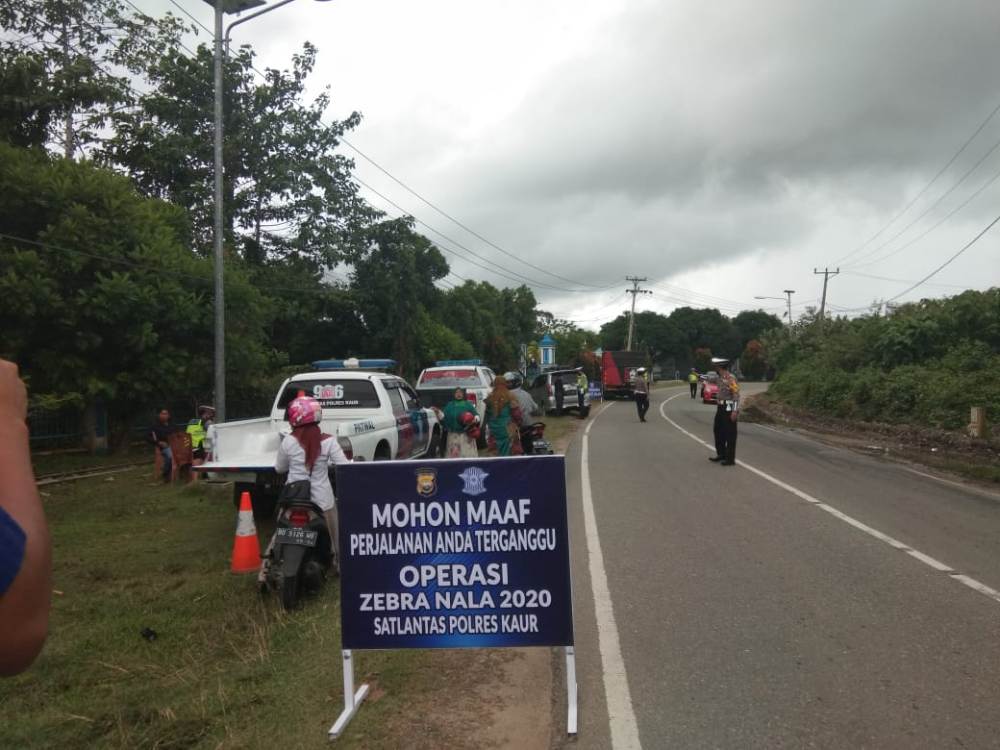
x=375 y=416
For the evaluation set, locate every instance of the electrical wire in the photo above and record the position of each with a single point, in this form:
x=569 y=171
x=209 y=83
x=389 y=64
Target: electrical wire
x=925 y=188
x=931 y=228
x=967 y=245
x=933 y=273
x=926 y=211
x=161 y=270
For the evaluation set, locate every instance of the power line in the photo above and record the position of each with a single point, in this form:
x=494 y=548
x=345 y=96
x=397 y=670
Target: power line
x=521 y=278
x=186 y=13
x=897 y=281
x=913 y=286
x=930 y=208
x=451 y=218
x=926 y=187
x=162 y=270
x=931 y=228
x=967 y=245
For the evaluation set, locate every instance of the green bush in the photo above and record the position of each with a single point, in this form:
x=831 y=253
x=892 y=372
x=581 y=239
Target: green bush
x=927 y=364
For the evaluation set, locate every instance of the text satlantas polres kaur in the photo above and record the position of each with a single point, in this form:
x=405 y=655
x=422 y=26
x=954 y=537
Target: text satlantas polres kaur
x=449 y=598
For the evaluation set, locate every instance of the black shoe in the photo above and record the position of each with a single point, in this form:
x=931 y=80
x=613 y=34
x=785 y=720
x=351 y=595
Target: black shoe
x=715 y=458
x=728 y=463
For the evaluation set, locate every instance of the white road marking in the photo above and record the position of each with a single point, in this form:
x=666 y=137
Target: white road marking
x=621 y=717
x=932 y=562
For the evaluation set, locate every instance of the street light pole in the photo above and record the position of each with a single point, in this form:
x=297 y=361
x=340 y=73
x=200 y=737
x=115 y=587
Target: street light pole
x=220 y=304
x=787 y=298
x=789 y=293
x=221 y=7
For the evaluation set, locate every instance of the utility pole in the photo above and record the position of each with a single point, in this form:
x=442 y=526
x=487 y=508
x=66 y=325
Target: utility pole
x=635 y=290
x=217 y=253
x=827 y=273
x=68 y=144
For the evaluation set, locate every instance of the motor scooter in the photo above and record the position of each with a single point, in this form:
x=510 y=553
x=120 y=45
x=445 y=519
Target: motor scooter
x=298 y=558
x=533 y=440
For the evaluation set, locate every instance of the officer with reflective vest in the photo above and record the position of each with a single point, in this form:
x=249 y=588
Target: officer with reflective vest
x=726 y=414
x=198 y=429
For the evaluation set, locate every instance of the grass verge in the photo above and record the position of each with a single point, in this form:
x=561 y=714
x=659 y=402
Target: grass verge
x=226 y=668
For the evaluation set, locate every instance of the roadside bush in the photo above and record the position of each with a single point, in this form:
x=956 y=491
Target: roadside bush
x=927 y=364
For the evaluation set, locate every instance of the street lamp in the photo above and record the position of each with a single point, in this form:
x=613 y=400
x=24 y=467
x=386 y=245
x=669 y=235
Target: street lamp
x=222 y=7
x=787 y=298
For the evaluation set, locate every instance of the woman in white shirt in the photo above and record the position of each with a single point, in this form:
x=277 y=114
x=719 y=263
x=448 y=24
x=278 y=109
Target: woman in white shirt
x=308 y=453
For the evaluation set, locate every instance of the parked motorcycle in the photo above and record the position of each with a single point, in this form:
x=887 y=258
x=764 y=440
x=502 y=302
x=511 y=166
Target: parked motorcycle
x=298 y=558
x=533 y=440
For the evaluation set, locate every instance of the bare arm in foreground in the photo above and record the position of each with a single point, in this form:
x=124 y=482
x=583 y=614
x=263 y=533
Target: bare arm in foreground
x=24 y=606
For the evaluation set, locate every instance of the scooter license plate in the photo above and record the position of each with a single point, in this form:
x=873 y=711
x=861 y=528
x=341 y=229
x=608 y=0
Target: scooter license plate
x=304 y=537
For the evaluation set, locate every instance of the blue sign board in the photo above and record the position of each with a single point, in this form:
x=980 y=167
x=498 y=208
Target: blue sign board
x=454 y=553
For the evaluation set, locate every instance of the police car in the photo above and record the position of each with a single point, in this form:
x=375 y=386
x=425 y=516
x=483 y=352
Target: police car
x=375 y=415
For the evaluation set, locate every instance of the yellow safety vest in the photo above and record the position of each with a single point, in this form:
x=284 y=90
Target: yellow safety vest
x=197 y=433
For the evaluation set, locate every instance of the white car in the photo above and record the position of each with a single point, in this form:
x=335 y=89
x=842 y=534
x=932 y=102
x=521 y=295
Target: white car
x=436 y=385
x=375 y=415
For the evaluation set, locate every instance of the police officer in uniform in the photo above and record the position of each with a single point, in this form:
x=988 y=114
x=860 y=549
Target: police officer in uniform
x=640 y=389
x=726 y=414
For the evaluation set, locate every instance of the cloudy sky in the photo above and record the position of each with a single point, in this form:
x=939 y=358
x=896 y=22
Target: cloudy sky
x=722 y=149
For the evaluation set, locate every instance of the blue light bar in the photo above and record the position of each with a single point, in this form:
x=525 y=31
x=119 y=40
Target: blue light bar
x=355 y=364
x=458 y=363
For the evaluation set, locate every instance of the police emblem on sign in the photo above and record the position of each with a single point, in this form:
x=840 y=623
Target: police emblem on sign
x=427 y=482
x=475 y=480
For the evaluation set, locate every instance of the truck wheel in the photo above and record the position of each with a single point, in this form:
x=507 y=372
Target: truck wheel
x=382 y=452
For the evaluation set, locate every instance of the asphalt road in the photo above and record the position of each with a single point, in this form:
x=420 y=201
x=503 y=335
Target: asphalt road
x=831 y=603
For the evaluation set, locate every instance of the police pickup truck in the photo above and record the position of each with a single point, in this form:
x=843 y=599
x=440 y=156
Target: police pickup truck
x=375 y=416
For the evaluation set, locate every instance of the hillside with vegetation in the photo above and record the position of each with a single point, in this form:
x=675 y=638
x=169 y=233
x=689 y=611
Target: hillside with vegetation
x=925 y=364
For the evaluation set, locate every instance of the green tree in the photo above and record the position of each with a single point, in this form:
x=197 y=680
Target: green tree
x=99 y=301
x=287 y=192
x=69 y=61
x=752 y=324
x=753 y=363
x=494 y=321
x=393 y=287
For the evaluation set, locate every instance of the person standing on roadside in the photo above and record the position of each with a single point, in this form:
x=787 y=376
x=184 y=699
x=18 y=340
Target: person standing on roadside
x=726 y=414
x=693 y=381
x=159 y=435
x=640 y=389
x=557 y=391
x=25 y=547
x=582 y=384
x=460 y=418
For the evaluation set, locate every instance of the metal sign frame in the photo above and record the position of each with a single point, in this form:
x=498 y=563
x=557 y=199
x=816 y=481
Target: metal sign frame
x=352 y=484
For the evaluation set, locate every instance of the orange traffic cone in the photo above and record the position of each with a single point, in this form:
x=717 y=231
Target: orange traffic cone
x=246 y=550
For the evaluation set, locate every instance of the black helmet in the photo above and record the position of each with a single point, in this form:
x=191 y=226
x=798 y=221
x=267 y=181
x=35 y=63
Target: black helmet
x=513 y=379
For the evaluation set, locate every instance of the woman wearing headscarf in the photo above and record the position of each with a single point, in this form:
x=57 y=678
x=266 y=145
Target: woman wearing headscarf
x=309 y=453
x=461 y=422
x=503 y=415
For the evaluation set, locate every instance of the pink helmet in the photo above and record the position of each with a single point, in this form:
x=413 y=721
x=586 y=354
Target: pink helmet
x=304 y=410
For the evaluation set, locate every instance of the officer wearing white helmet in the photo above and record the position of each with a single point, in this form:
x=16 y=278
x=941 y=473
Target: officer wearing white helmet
x=726 y=414
x=524 y=399
x=640 y=389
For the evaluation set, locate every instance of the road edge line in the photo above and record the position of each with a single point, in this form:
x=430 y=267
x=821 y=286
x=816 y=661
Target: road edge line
x=926 y=559
x=621 y=715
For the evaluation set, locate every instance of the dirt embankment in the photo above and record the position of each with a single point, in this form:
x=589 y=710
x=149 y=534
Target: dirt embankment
x=950 y=450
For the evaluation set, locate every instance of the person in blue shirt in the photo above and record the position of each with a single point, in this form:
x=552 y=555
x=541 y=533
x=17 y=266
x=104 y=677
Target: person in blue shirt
x=25 y=550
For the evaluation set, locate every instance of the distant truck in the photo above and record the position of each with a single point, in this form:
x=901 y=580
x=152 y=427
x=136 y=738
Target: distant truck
x=618 y=372
x=375 y=416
